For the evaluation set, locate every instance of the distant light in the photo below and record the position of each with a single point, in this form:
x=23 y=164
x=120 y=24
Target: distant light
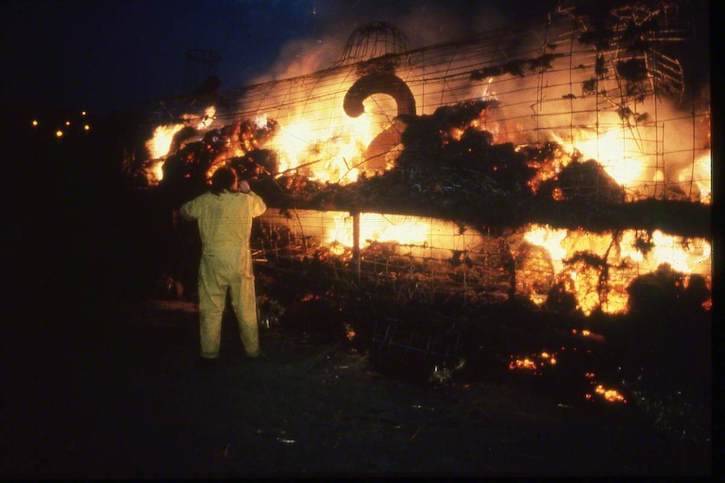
x=59 y=133
x=67 y=123
x=83 y=113
x=35 y=123
x=86 y=127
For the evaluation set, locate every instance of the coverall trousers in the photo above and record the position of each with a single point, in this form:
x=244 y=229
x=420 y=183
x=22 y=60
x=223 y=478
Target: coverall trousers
x=219 y=272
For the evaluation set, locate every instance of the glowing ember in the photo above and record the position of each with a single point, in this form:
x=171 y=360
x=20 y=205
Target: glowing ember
x=707 y=304
x=349 y=332
x=456 y=133
x=610 y=395
x=526 y=364
x=530 y=362
x=545 y=357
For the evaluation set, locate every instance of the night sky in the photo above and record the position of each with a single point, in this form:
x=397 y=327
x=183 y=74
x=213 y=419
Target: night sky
x=117 y=55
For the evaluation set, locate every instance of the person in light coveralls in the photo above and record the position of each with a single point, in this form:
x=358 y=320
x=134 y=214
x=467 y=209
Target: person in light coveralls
x=224 y=217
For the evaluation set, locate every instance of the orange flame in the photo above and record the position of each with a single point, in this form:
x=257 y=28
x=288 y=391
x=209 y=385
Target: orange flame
x=160 y=143
x=625 y=260
x=158 y=147
x=701 y=176
x=333 y=154
x=380 y=228
x=618 y=154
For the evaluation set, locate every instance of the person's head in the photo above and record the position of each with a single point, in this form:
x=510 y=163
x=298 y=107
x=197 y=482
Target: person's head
x=223 y=178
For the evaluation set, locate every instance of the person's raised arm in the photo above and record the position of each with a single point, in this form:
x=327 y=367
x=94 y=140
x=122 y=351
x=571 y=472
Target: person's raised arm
x=257 y=204
x=190 y=210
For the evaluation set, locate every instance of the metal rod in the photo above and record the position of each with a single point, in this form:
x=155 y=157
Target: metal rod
x=356 y=242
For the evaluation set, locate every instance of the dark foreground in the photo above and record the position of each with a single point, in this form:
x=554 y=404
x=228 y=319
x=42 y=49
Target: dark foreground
x=121 y=396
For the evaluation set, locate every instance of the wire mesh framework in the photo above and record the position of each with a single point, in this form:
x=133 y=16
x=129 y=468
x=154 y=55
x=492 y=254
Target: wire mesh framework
x=554 y=89
x=420 y=268
x=443 y=260
x=373 y=40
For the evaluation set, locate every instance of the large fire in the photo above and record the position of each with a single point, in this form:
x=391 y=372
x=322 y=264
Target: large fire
x=308 y=129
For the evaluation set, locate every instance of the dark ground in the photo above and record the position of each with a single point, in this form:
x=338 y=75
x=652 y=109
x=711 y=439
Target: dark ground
x=124 y=398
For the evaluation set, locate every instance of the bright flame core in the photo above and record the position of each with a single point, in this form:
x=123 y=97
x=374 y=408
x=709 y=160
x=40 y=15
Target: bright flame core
x=160 y=142
x=701 y=176
x=380 y=228
x=333 y=154
x=618 y=154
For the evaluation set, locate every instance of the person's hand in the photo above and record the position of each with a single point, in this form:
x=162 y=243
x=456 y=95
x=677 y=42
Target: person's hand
x=244 y=187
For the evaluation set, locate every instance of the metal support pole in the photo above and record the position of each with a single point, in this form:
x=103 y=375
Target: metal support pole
x=356 y=243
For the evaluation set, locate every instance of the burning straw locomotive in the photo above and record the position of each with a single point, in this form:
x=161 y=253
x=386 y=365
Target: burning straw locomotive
x=558 y=171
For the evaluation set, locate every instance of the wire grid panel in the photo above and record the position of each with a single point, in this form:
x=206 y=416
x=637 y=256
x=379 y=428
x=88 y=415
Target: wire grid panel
x=425 y=256
x=551 y=88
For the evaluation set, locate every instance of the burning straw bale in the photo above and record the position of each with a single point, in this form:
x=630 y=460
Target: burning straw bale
x=666 y=289
x=435 y=168
x=188 y=168
x=586 y=181
x=448 y=166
